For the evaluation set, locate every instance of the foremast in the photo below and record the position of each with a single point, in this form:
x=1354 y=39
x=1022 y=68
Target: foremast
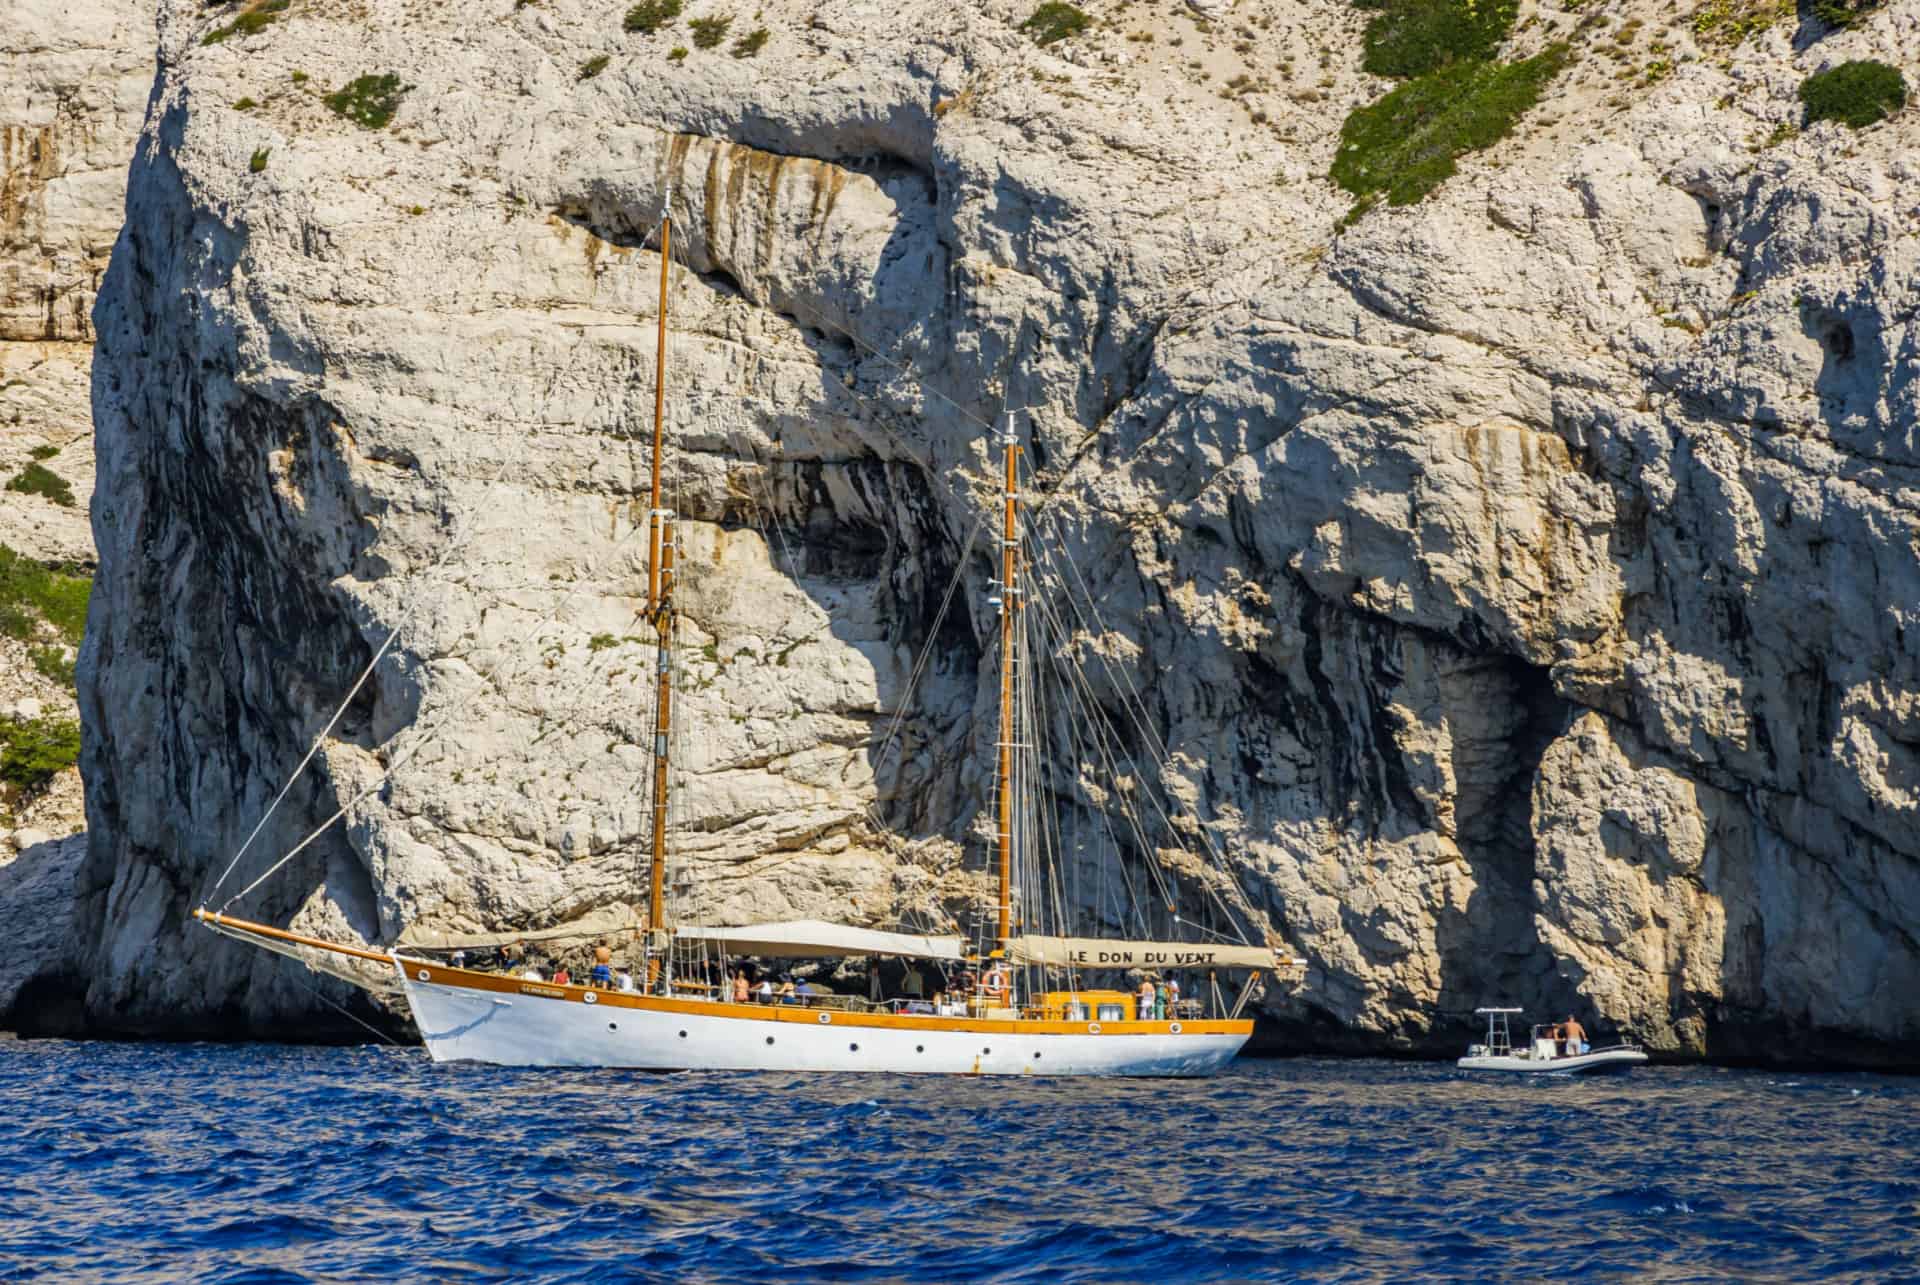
x=660 y=611
x=1009 y=637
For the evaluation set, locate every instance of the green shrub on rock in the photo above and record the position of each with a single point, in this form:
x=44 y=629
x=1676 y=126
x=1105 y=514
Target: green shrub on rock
x=750 y=44
x=1844 y=13
x=369 y=101
x=52 y=663
x=709 y=32
x=1404 y=146
x=258 y=161
x=30 y=592
x=1413 y=37
x=37 y=479
x=1854 y=93
x=649 y=16
x=1055 y=20
x=593 y=67
x=33 y=752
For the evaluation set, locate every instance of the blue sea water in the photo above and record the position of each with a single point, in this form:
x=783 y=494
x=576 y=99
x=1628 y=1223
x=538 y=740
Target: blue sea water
x=271 y=1163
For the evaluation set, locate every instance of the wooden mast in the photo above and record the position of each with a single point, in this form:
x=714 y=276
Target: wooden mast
x=660 y=610
x=1009 y=608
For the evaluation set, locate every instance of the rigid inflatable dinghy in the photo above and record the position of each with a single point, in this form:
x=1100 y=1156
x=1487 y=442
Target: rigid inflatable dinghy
x=1544 y=1054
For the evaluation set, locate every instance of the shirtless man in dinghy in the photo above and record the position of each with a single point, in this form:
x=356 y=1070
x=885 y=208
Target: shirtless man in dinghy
x=1576 y=1036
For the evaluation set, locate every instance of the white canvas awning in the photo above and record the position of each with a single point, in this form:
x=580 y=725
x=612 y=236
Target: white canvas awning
x=607 y=921
x=1096 y=953
x=816 y=939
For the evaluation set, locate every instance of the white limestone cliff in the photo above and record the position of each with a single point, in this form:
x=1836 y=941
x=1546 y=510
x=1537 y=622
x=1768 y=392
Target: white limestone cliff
x=1522 y=579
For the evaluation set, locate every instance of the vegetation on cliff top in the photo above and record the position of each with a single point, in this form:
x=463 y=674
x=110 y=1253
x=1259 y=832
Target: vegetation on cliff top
x=1844 y=13
x=30 y=593
x=1055 y=20
x=1413 y=37
x=34 y=751
x=1405 y=145
x=250 y=23
x=708 y=32
x=369 y=101
x=1456 y=98
x=37 y=479
x=649 y=16
x=1854 y=93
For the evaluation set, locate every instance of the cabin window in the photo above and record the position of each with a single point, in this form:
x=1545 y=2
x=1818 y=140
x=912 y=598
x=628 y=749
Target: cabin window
x=1112 y=1013
x=1076 y=1012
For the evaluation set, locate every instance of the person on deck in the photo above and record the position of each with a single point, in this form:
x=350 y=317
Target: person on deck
x=913 y=986
x=787 y=995
x=1143 y=1008
x=1173 y=997
x=561 y=977
x=740 y=987
x=532 y=972
x=602 y=975
x=625 y=981
x=1576 y=1035
x=763 y=993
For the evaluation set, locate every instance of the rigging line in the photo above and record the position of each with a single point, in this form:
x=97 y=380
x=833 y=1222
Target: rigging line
x=461 y=532
x=1106 y=738
x=322 y=828
x=315 y=992
x=313 y=749
x=1135 y=710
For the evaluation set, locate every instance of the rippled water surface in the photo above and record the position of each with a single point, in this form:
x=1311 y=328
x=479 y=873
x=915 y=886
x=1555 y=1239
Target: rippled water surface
x=266 y=1163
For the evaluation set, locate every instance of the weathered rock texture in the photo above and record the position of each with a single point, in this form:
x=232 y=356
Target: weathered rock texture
x=1524 y=581
x=74 y=80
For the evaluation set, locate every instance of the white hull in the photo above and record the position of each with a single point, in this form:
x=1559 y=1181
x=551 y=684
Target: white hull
x=479 y=1018
x=1598 y=1060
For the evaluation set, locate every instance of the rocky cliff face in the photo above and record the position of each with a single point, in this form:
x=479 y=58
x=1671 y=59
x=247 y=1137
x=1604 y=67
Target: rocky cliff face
x=1521 y=578
x=73 y=87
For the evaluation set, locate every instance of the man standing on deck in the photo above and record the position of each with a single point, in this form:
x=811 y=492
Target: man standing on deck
x=1576 y=1037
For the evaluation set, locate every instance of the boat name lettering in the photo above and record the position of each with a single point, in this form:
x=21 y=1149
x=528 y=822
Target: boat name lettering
x=554 y=991
x=1140 y=958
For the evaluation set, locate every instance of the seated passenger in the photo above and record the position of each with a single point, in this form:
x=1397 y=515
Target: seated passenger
x=787 y=995
x=763 y=993
x=561 y=977
x=626 y=981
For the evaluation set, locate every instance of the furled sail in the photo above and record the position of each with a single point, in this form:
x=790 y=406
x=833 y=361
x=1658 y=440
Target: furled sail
x=1095 y=952
x=814 y=939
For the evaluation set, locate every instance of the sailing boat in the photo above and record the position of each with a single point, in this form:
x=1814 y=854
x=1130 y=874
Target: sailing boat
x=1014 y=1007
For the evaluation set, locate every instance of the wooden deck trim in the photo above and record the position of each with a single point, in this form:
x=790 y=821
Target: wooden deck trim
x=422 y=972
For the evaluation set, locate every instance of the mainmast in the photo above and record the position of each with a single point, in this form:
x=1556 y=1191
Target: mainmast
x=660 y=610
x=1009 y=634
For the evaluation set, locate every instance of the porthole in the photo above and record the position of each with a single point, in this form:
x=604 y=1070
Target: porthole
x=1173 y=1029
x=825 y=1018
x=853 y=1048
x=769 y=1039
x=919 y=1048
x=1036 y=1057
x=683 y=1035
x=985 y=1052
x=590 y=998
x=614 y=1026
x=423 y=975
